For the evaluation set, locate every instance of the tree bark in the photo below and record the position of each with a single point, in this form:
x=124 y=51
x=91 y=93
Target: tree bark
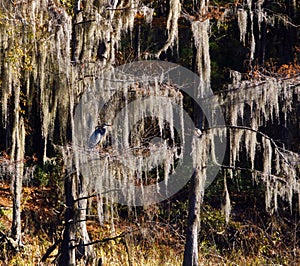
x=75 y=244
x=16 y=220
x=191 y=244
x=17 y=155
x=137 y=42
x=67 y=256
x=84 y=251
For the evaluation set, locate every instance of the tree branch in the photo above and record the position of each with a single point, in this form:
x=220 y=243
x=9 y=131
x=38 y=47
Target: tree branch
x=238 y=87
x=265 y=136
x=273 y=142
x=85 y=197
x=104 y=239
x=249 y=170
x=50 y=250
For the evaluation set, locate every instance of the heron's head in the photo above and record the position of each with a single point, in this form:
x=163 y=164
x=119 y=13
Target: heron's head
x=105 y=125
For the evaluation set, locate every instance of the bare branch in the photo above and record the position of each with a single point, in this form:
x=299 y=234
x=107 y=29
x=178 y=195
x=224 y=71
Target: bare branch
x=50 y=250
x=103 y=240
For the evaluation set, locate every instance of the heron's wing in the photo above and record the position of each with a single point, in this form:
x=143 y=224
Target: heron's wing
x=102 y=131
x=94 y=139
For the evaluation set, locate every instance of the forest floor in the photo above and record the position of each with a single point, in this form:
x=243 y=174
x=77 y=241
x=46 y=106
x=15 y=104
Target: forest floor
x=123 y=242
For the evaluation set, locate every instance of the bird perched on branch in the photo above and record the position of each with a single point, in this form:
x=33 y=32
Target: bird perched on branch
x=98 y=135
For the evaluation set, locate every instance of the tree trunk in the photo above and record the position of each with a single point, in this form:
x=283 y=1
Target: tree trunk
x=137 y=44
x=17 y=155
x=191 y=244
x=67 y=256
x=16 y=219
x=75 y=238
x=85 y=251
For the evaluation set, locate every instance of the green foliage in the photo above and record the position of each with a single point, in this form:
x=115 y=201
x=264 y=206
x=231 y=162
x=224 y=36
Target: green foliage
x=42 y=176
x=2 y=211
x=48 y=174
x=2 y=225
x=68 y=5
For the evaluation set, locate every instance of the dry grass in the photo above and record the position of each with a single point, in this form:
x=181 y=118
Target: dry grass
x=149 y=243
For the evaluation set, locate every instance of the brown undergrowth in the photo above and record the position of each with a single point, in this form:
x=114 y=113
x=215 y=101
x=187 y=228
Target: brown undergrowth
x=151 y=237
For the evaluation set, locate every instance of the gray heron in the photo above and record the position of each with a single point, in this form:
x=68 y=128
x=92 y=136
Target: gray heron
x=98 y=135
